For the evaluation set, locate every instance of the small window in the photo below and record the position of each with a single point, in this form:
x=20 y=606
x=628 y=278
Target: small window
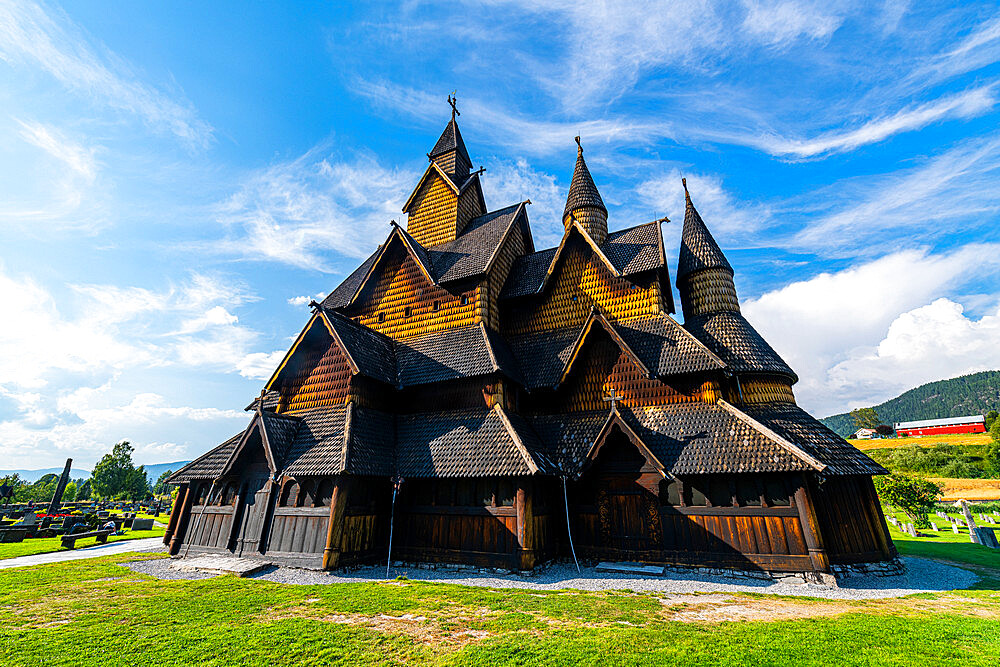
x=670 y=492
x=437 y=306
x=289 y=494
x=305 y=495
x=465 y=299
x=325 y=493
x=407 y=311
x=719 y=493
x=574 y=297
x=776 y=492
x=228 y=494
x=505 y=493
x=696 y=495
x=747 y=492
x=381 y=318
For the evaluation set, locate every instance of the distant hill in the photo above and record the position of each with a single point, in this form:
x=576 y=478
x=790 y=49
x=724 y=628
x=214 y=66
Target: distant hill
x=153 y=472
x=35 y=475
x=965 y=395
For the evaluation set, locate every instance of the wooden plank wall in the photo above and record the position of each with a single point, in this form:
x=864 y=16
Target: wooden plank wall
x=433 y=212
x=210 y=526
x=400 y=284
x=582 y=282
x=851 y=520
x=298 y=530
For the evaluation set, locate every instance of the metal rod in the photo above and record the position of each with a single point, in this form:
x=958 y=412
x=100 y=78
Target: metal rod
x=204 y=507
x=569 y=532
x=396 y=483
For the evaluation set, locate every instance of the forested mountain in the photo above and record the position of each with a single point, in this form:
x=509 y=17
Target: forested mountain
x=965 y=395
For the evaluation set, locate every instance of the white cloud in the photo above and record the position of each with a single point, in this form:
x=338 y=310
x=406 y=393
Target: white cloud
x=928 y=343
x=778 y=23
x=304 y=300
x=509 y=182
x=956 y=186
x=73 y=155
x=968 y=104
x=293 y=212
x=31 y=36
x=819 y=323
x=260 y=365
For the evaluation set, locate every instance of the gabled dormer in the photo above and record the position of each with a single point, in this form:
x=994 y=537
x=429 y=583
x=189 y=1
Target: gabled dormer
x=447 y=196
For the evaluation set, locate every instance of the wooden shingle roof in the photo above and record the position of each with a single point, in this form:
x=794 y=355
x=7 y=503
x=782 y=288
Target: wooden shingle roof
x=582 y=191
x=208 y=465
x=450 y=140
x=737 y=343
x=699 y=251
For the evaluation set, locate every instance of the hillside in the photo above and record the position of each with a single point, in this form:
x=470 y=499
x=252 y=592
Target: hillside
x=154 y=471
x=35 y=475
x=965 y=395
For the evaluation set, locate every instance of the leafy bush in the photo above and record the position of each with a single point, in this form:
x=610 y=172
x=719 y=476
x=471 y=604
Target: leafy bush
x=912 y=495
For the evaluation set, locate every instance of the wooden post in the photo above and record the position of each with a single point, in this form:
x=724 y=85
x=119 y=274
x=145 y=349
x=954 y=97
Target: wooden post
x=175 y=513
x=810 y=528
x=335 y=528
x=525 y=525
x=182 y=520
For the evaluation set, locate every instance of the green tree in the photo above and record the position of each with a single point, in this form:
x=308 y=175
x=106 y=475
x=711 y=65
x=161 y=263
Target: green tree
x=83 y=490
x=995 y=431
x=116 y=477
x=17 y=485
x=69 y=494
x=865 y=418
x=161 y=487
x=991 y=418
x=912 y=495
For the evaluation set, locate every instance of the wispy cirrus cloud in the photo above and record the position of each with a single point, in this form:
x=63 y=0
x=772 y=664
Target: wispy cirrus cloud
x=32 y=35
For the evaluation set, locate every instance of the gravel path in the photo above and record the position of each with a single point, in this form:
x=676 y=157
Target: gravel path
x=921 y=576
x=122 y=546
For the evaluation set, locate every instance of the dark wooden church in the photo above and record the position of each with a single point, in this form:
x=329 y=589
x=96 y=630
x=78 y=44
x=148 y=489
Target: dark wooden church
x=524 y=402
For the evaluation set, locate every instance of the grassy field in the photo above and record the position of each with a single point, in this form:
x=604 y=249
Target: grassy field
x=924 y=441
x=95 y=611
x=44 y=545
x=943 y=544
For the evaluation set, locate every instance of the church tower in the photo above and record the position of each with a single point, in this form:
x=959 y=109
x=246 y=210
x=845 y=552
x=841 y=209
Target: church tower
x=704 y=276
x=584 y=203
x=449 y=194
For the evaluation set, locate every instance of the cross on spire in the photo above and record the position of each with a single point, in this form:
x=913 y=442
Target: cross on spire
x=613 y=397
x=453 y=101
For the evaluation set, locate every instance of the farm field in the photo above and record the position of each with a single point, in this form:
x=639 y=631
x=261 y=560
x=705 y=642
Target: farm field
x=924 y=441
x=970 y=489
x=96 y=610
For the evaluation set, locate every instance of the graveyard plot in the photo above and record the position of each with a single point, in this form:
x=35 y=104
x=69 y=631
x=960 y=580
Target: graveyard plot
x=81 y=611
x=43 y=545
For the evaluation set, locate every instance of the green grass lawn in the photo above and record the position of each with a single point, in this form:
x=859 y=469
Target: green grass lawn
x=94 y=611
x=43 y=545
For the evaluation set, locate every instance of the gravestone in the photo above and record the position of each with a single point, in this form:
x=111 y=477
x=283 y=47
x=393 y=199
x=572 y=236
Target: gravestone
x=893 y=520
x=954 y=528
x=60 y=488
x=142 y=524
x=987 y=538
x=911 y=530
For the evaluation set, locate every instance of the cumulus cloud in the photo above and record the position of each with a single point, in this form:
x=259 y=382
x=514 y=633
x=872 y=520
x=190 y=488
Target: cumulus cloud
x=260 y=365
x=842 y=317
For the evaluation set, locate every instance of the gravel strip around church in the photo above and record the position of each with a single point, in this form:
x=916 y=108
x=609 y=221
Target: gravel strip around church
x=922 y=576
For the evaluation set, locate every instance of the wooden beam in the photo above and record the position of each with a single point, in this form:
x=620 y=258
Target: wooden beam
x=882 y=537
x=525 y=524
x=175 y=513
x=810 y=527
x=335 y=528
x=182 y=520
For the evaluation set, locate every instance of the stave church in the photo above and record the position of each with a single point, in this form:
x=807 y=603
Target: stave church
x=463 y=397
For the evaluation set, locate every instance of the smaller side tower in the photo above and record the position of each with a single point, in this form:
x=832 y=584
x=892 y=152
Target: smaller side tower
x=704 y=276
x=584 y=203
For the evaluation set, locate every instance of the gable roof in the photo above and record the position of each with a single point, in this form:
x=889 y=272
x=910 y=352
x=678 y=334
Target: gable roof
x=473 y=252
x=276 y=434
x=368 y=352
x=625 y=252
x=737 y=343
x=699 y=251
x=209 y=465
x=461 y=352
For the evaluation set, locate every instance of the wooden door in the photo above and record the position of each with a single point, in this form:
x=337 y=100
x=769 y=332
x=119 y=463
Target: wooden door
x=629 y=515
x=255 y=499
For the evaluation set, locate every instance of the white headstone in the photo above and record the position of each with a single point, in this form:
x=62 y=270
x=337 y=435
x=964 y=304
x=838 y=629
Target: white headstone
x=954 y=528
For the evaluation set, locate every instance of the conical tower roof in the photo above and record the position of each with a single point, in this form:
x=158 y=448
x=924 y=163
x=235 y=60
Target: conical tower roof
x=451 y=140
x=698 y=249
x=582 y=191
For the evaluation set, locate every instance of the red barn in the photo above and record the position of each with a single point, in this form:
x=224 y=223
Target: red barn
x=970 y=424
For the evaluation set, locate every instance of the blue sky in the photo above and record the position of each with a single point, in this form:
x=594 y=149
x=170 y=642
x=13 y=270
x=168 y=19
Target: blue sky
x=178 y=179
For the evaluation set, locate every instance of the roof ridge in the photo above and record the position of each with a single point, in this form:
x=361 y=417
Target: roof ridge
x=779 y=440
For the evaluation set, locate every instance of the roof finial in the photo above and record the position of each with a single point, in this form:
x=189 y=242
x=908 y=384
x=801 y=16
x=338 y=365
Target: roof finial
x=579 y=146
x=260 y=401
x=453 y=101
x=687 y=197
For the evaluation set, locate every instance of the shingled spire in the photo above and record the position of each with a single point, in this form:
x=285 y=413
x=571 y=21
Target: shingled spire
x=704 y=276
x=449 y=152
x=584 y=203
